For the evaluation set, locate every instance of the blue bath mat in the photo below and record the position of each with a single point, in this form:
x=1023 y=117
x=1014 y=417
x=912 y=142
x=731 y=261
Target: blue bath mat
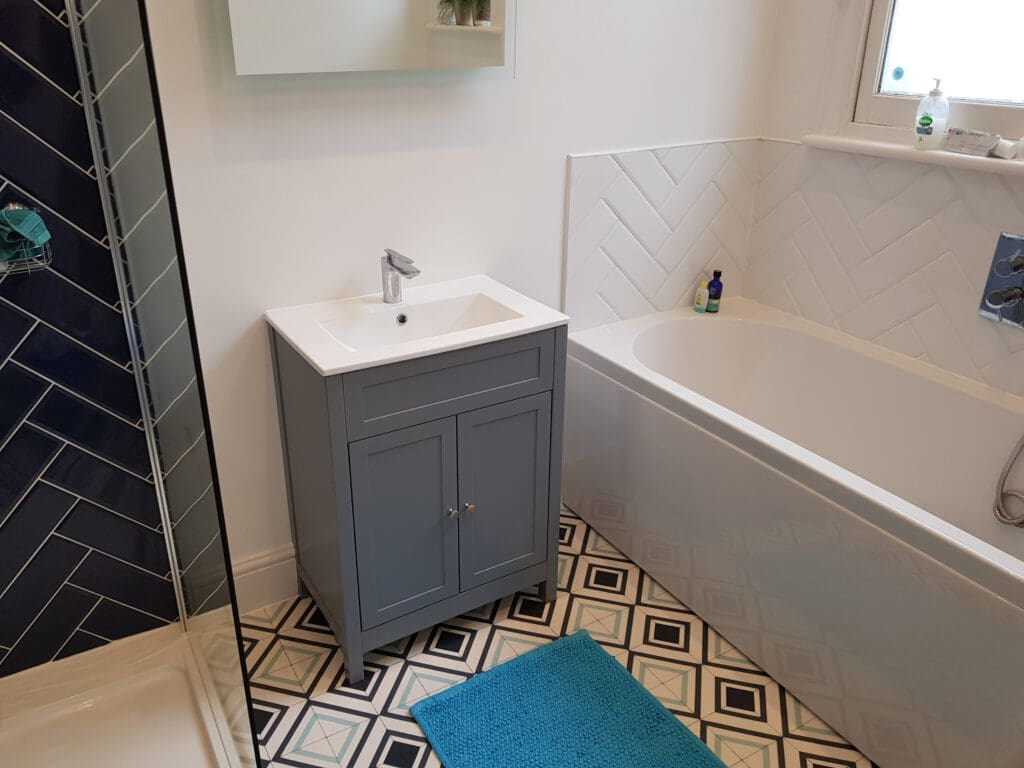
x=565 y=705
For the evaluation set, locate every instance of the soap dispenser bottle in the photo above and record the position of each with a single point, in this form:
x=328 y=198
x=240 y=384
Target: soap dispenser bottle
x=932 y=117
x=715 y=293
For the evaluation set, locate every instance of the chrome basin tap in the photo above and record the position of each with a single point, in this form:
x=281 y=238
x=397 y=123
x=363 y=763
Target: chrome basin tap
x=393 y=267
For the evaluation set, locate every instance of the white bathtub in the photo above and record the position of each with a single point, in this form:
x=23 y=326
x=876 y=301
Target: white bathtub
x=826 y=505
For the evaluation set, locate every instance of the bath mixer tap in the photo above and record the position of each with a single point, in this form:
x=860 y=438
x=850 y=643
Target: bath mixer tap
x=393 y=267
x=1005 y=297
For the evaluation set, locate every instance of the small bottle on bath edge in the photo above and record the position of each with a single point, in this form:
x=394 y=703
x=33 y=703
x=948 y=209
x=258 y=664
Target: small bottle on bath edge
x=715 y=292
x=700 y=303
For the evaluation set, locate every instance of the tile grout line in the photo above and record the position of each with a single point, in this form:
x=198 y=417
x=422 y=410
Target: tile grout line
x=65 y=537
x=158 y=350
x=79 y=498
x=39 y=73
x=191 y=383
x=113 y=600
x=209 y=597
x=214 y=540
x=75 y=393
x=113 y=78
x=46 y=605
x=84 y=449
x=57 y=273
x=33 y=199
x=27 y=414
x=37 y=549
x=140 y=297
x=21 y=126
x=108 y=171
x=35 y=481
x=192 y=506
x=77 y=628
x=124 y=238
x=202 y=436
x=57 y=18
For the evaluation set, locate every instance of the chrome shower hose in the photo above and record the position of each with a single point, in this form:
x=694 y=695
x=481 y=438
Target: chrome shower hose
x=1004 y=494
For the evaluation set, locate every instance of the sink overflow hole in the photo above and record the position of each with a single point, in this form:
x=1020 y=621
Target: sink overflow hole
x=402 y=319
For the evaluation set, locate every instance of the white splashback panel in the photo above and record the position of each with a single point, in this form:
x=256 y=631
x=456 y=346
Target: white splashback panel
x=891 y=252
x=646 y=227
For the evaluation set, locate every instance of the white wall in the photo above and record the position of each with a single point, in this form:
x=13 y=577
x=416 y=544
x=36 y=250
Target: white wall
x=799 y=60
x=289 y=187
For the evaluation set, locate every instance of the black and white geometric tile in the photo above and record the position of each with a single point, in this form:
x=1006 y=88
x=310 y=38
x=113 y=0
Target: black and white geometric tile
x=307 y=716
x=82 y=553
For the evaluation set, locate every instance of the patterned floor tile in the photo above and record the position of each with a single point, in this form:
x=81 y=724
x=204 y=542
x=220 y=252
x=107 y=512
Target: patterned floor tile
x=418 y=682
x=457 y=645
x=800 y=722
x=720 y=652
x=368 y=696
x=608 y=623
x=669 y=634
x=566 y=571
x=741 y=699
x=307 y=716
x=674 y=684
x=396 y=743
x=528 y=613
x=597 y=545
x=606 y=579
x=656 y=596
x=506 y=644
x=750 y=747
x=571 y=533
x=805 y=754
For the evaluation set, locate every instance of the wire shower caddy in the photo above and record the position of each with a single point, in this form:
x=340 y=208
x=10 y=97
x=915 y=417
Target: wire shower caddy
x=28 y=258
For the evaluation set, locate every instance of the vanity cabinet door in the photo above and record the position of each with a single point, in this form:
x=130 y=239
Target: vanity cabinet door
x=403 y=488
x=504 y=463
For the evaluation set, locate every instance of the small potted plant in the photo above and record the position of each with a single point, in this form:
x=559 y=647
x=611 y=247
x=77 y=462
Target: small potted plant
x=464 y=12
x=482 y=15
x=446 y=12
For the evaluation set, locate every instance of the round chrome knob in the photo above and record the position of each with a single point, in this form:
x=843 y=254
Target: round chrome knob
x=471 y=508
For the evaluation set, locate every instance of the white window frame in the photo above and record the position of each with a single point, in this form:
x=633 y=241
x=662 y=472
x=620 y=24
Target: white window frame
x=875 y=109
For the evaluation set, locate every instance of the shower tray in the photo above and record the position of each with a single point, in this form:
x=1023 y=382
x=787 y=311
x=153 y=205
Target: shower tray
x=140 y=701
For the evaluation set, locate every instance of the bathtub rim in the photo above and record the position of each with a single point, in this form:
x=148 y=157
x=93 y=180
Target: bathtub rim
x=982 y=563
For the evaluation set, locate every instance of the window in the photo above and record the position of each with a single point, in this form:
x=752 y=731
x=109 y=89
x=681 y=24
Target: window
x=973 y=46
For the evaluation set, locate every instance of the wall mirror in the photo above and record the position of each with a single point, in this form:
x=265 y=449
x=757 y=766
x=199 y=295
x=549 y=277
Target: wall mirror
x=271 y=37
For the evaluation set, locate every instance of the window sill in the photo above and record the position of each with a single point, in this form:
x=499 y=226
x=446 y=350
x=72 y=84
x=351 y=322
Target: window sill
x=902 y=152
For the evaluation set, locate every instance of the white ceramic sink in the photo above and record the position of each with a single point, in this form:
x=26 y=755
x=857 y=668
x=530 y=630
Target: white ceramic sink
x=398 y=323
x=349 y=334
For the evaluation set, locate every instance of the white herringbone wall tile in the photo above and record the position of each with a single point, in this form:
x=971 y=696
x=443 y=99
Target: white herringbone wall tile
x=646 y=227
x=891 y=252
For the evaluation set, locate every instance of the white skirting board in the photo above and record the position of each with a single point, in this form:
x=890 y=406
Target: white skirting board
x=265 y=578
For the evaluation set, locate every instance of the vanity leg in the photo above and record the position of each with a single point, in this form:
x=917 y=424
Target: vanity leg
x=354 y=669
x=548 y=590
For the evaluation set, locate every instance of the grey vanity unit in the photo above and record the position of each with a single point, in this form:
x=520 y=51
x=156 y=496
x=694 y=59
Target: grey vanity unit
x=424 y=488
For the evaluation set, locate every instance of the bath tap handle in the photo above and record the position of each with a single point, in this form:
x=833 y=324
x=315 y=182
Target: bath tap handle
x=1005 y=297
x=1014 y=265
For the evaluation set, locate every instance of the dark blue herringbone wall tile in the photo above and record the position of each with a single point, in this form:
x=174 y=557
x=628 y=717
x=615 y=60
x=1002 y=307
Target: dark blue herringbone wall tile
x=83 y=559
